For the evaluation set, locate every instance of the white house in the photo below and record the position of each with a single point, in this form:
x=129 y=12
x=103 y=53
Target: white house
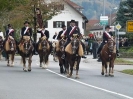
x=70 y=11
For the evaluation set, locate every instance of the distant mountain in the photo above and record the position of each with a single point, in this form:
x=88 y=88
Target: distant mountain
x=93 y=9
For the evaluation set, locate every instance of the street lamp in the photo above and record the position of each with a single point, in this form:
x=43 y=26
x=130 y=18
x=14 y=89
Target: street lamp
x=103 y=13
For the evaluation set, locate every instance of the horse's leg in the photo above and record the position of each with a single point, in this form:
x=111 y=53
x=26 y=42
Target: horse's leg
x=8 y=64
x=71 y=68
x=61 y=65
x=41 y=60
x=29 y=61
x=111 y=68
x=110 y=65
x=24 y=64
x=103 y=67
x=106 y=69
x=12 y=59
x=77 y=68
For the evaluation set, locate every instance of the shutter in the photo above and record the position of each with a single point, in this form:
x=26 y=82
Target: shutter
x=54 y=24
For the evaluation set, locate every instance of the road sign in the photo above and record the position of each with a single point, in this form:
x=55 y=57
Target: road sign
x=129 y=26
x=118 y=26
x=121 y=33
x=103 y=20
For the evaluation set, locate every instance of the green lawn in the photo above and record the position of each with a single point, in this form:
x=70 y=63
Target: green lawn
x=128 y=71
x=120 y=61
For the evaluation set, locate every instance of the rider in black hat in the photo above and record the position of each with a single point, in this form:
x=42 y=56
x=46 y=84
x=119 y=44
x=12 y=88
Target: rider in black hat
x=27 y=31
x=72 y=29
x=106 y=35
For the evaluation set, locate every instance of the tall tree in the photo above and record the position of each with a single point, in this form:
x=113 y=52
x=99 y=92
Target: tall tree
x=125 y=12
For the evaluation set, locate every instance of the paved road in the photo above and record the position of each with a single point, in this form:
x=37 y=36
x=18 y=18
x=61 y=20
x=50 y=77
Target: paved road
x=49 y=84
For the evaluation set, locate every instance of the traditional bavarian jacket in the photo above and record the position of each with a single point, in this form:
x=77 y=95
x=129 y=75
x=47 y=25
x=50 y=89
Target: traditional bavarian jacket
x=44 y=33
x=106 y=36
x=72 y=30
x=26 y=31
x=62 y=32
x=10 y=32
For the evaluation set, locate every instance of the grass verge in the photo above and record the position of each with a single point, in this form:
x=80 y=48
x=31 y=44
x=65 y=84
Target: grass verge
x=128 y=71
x=120 y=61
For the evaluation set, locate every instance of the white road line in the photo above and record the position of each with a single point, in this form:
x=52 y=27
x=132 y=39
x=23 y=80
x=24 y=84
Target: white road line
x=108 y=91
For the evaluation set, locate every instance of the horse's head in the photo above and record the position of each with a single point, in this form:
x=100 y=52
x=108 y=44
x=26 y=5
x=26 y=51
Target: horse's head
x=27 y=44
x=110 y=44
x=12 y=44
x=61 y=44
x=44 y=45
x=1 y=43
x=75 y=45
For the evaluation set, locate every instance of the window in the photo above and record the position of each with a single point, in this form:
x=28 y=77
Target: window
x=58 y=24
x=68 y=23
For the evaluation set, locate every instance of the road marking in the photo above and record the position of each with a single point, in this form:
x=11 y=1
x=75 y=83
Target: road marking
x=108 y=91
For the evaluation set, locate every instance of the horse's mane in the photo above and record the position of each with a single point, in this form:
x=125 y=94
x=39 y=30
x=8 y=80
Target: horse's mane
x=68 y=49
x=57 y=46
x=7 y=48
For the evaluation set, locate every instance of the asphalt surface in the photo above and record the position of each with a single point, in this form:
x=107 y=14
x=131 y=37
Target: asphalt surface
x=50 y=84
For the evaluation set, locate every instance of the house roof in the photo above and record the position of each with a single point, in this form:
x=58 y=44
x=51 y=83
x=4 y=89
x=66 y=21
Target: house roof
x=95 y=24
x=76 y=8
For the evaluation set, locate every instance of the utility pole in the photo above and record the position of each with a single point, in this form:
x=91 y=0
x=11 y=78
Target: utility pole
x=34 y=24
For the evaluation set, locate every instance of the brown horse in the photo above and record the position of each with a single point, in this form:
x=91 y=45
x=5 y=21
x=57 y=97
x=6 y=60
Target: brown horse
x=108 y=55
x=74 y=51
x=44 y=52
x=60 y=52
x=1 y=46
x=26 y=51
x=10 y=49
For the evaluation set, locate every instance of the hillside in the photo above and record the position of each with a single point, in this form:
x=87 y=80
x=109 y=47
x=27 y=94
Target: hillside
x=94 y=8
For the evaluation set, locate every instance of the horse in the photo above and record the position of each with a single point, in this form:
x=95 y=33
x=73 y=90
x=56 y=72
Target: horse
x=44 y=52
x=53 y=52
x=1 y=46
x=60 y=52
x=26 y=49
x=73 y=54
x=10 y=49
x=108 y=56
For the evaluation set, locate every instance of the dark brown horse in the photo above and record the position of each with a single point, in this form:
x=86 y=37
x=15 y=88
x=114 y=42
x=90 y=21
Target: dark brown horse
x=1 y=46
x=74 y=51
x=108 y=55
x=26 y=52
x=44 y=52
x=10 y=49
x=60 y=52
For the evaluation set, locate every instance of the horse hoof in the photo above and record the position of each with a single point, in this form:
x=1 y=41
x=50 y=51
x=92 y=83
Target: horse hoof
x=76 y=77
x=24 y=70
x=8 y=64
x=102 y=73
x=29 y=70
x=106 y=75
x=40 y=65
x=111 y=75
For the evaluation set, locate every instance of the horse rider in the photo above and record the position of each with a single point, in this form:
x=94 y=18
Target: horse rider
x=27 y=31
x=44 y=32
x=72 y=29
x=55 y=36
x=10 y=32
x=106 y=35
x=62 y=32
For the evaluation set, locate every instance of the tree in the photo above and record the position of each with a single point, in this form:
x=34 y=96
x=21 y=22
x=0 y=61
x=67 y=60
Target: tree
x=125 y=12
x=35 y=11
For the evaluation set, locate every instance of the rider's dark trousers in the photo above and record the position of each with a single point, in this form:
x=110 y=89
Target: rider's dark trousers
x=100 y=47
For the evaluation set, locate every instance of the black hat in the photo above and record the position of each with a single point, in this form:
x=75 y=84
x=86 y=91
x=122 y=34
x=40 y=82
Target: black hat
x=72 y=21
x=63 y=26
x=107 y=26
x=9 y=25
x=26 y=22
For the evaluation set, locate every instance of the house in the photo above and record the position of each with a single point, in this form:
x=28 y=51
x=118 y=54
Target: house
x=95 y=28
x=70 y=11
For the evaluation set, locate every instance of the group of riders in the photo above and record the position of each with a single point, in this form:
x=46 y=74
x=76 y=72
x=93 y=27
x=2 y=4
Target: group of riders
x=66 y=33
